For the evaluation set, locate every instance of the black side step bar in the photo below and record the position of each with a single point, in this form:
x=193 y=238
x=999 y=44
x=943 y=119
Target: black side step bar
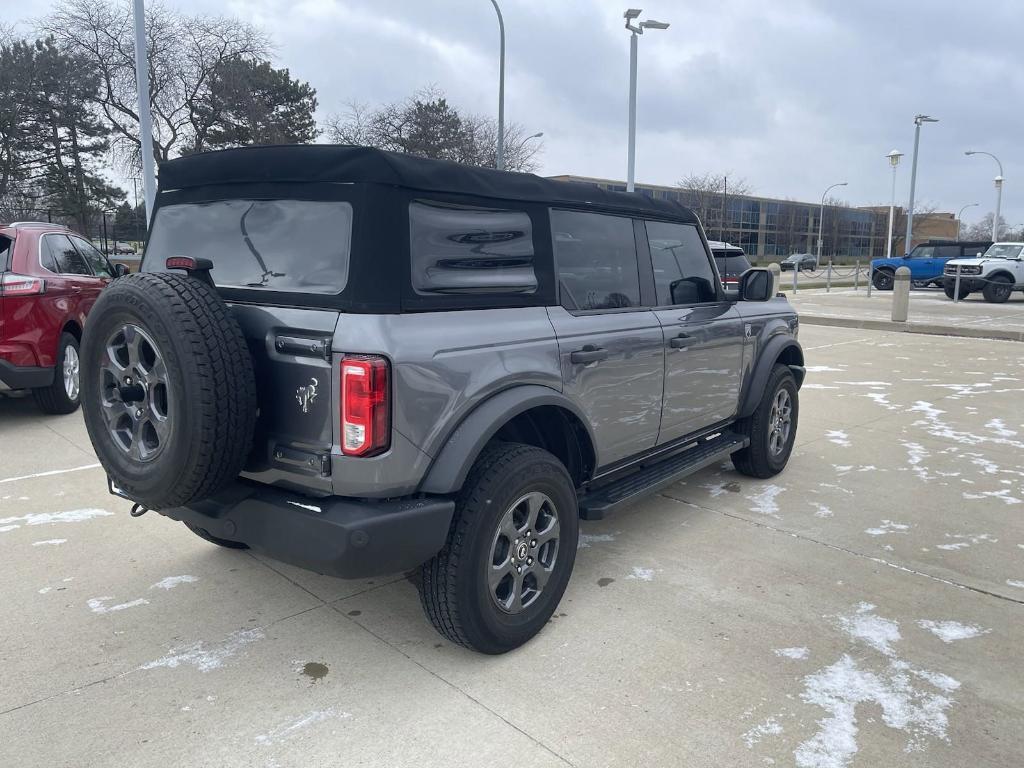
x=652 y=478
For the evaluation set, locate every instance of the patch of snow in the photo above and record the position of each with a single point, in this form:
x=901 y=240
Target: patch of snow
x=821 y=510
x=953 y=547
x=48 y=518
x=288 y=730
x=997 y=426
x=1003 y=495
x=172 y=581
x=643 y=574
x=948 y=631
x=965 y=540
x=769 y=727
x=764 y=502
x=586 y=539
x=45 y=542
x=206 y=658
x=1015 y=583
x=887 y=526
x=798 y=654
x=864 y=625
x=99 y=604
x=813 y=385
x=824 y=369
x=44 y=590
x=839 y=437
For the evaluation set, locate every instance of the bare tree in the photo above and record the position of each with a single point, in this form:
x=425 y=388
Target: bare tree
x=982 y=229
x=427 y=125
x=707 y=195
x=183 y=52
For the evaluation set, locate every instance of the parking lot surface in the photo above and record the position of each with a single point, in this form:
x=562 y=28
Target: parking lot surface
x=864 y=608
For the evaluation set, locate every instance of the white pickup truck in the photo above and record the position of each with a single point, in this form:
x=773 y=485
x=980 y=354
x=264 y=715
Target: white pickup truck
x=997 y=273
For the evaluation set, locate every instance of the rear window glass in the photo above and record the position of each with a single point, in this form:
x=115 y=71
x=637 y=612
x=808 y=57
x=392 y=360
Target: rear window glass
x=280 y=245
x=731 y=264
x=467 y=250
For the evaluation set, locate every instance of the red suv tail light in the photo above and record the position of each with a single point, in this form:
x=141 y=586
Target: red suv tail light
x=12 y=284
x=365 y=406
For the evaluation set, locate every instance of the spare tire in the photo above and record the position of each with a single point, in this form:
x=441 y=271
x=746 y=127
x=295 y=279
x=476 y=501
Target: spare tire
x=168 y=389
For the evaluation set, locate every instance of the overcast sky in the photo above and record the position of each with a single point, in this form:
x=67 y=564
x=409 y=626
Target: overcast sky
x=791 y=95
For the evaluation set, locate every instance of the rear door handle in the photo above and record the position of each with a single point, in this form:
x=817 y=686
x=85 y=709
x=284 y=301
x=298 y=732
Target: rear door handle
x=589 y=354
x=681 y=341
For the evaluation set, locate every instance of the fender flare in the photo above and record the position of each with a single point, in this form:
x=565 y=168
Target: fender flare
x=763 y=368
x=1002 y=273
x=448 y=471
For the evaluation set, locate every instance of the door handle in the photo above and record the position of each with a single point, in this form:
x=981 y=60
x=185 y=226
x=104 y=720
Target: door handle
x=681 y=341
x=589 y=354
x=76 y=289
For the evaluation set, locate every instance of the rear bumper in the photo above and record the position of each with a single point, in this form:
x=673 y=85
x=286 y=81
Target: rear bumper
x=348 y=538
x=23 y=377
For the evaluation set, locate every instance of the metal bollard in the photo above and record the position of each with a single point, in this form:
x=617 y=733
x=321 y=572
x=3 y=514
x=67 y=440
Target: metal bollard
x=796 y=269
x=870 y=275
x=856 y=276
x=828 y=278
x=956 y=286
x=901 y=295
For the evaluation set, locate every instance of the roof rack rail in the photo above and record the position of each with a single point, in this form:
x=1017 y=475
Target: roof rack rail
x=16 y=224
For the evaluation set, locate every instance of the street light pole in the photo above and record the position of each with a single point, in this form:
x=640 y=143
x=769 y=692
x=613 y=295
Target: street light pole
x=918 y=120
x=958 y=218
x=999 y=190
x=630 y=16
x=821 y=216
x=894 y=160
x=145 y=118
x=500 y=164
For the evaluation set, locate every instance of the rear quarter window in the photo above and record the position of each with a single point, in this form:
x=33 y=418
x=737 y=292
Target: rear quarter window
x=457 y=249
x=279 y=245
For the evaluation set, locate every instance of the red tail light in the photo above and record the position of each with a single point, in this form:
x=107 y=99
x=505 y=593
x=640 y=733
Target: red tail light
x=365 y=406
x=12 y=284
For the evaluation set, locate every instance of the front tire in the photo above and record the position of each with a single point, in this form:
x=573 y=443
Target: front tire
x=64 y=394
x=510 y=551
x=998 y=289
x=949 y=287
x=771 y=428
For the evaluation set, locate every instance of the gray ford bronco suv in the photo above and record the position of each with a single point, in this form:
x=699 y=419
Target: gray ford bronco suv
x=363 y=363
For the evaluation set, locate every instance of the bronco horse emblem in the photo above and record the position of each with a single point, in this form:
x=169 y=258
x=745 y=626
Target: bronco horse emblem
x=306 y=395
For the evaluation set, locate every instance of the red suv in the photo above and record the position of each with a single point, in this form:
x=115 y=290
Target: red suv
x=49 y=279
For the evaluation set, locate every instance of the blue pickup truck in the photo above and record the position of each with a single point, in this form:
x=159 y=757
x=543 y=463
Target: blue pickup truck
x=926 y=262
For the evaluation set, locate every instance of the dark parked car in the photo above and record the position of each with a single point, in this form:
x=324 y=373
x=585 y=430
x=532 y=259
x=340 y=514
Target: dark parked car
x=50 y=277
x=730 y=260
x=363 y=363
x=802 y=262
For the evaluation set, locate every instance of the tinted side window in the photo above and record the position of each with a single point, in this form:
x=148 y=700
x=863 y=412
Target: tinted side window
x=96 y=260
x=682 y=272
x=46 y=253
x=5 y=251
x=69 y=260
x=596 y=259
x=948 y=251
x=923 y=252
x=467 y=250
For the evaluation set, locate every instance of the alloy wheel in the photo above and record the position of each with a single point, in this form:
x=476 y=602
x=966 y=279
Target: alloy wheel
x=780 y=422
x=524 y=552
x=71 y=372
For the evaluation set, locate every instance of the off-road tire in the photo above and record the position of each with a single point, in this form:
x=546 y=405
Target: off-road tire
x=883 y=279
x=210 y=386
x=54 y=399
x=997 y=289
x=949 y=288
x=202 y=533
x=453 y=586
x=756 y=460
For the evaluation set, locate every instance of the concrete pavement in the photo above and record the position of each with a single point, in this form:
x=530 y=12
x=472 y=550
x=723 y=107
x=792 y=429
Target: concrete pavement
x=864 y=608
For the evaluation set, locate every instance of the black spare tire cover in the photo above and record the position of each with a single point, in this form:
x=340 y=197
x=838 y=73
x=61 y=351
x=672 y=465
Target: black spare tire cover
x=168 y=390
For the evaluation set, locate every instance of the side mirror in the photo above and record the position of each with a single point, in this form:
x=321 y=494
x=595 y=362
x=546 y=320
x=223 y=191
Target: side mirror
x=120 y=270
x=757 y=284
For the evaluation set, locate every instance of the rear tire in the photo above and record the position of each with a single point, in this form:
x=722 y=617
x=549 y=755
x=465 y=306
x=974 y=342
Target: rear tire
x=64 y=394
x=469 y=589
x=168 y=389
x=769 y=450
x=997 y=289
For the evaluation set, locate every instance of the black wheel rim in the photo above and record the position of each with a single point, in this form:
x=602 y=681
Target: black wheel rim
x=524 y=552
x=135 y=396
x=780 y=422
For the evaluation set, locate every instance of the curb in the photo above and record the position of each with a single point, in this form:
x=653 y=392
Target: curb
x=925 y=328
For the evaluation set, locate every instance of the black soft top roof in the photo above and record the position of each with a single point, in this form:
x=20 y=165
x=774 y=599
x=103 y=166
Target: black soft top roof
x=334 y=163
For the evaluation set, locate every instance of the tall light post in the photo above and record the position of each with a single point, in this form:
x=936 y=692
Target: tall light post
x=500 y=164
x=999 y=190
x=821 y=214
x=918 y=120
x=145 y=118
x=959 y=217
x=894 y=160
x=630 y=16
